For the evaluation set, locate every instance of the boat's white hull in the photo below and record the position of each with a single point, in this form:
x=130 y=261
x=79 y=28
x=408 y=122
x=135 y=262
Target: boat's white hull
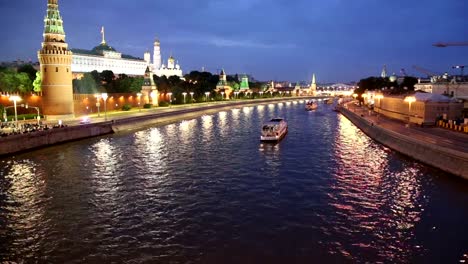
x=274 y=138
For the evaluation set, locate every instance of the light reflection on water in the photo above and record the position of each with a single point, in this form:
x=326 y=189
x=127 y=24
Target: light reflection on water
x=207 y=191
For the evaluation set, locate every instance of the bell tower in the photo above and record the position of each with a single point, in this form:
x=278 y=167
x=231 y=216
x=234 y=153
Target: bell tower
x=157 y=55
x=55 y=61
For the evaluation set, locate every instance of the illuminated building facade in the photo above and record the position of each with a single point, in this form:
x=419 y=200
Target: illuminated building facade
x=104 y=57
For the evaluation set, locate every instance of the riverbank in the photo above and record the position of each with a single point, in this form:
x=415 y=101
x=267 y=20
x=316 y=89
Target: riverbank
x=445 y=150
x=123 y=121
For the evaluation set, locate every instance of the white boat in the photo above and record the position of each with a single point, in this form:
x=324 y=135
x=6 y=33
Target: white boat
x=311 y=105
x=274 y=130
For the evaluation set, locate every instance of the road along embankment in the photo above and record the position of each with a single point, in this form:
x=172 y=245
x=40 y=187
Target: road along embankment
x=446 y=159
x=23 y=142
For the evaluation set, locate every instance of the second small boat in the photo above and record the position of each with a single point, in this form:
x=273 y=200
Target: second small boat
x=311 y=105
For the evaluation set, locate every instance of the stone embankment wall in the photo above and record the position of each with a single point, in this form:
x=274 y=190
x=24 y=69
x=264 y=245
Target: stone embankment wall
x=446 y=159
x=22 y=142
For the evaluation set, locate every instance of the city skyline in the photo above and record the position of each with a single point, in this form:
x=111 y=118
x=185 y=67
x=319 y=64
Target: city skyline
x=336 y=40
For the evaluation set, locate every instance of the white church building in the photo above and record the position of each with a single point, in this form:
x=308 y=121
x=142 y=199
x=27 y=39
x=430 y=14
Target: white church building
x=172 y=68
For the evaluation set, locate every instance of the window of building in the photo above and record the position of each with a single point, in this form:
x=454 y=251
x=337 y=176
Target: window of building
x=56 y=69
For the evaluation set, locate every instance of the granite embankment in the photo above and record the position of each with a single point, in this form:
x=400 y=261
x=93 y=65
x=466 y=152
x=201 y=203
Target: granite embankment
x=445 y=158
x=23 y=142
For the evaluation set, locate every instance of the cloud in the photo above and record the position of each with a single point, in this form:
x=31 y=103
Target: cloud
x=226 y=42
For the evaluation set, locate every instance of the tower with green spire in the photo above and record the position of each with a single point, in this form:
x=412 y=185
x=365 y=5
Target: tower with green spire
x=55 y=61
x=244 y=83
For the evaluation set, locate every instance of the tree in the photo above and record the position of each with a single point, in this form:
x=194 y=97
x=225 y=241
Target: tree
x=13 y=82
x=23 y=82
x=7 y=81
x=85 y=85
x=37 y=83
x=29 y=69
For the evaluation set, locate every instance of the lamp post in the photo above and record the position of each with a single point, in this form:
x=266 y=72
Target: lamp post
x=379 y=96
x=139 y=101
x=191 y=96
x=409 y=99
x=236 y=93
x=184 y=94
x=206 y=96
x=104 y=97
x=15 y=98
x=152 y=95
x=261 y=94
x=37 y=109
x=222 y=96
x=98 y=104
x=170 y=99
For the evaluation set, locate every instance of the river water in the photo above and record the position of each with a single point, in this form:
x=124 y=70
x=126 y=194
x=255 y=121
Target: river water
x=207 y=191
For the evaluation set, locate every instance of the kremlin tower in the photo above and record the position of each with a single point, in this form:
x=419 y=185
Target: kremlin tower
x=55 y=60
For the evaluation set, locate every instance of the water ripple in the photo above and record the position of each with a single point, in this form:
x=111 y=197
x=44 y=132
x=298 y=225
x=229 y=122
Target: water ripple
x=207 y=191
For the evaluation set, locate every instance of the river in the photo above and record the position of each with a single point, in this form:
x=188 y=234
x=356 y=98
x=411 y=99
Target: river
x=207 y=190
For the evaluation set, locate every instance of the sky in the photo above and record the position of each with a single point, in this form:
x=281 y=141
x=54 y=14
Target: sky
x=282 y=40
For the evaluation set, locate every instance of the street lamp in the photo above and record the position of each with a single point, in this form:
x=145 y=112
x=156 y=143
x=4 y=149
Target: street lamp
x=104 y=97
x=191 y=96
x=206 y=96
x=139 y=101
x=170 y=99
x=222 y=96
x=153 y=95
x=37 y=109
x=261 y=94
x=15 y=98
x=379 y=96
x=98 y=104
x=409 y=99
x=184 y=94
x=236 y=94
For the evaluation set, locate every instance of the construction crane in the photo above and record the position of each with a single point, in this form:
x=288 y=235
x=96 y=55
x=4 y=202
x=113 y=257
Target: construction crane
x=432 y=75
x=461 y=67
x=425 y=71
x=446 y=44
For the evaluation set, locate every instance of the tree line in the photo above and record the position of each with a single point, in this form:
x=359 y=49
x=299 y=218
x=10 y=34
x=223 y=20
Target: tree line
x=27 y=79
x=20 y=80
x=398 y=86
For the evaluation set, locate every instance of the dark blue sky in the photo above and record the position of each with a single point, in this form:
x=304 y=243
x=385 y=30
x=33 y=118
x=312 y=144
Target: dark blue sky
x=339 y=40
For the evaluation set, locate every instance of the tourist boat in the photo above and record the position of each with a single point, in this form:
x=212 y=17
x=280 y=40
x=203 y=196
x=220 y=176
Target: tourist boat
x=274 y=130
x=311 y=105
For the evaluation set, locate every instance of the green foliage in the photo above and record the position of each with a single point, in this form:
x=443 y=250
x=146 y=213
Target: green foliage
x=29 y=70
x=163 y=104
x=126 y=107
x=377 y=83
x=86 y=85
x=11 y=117
x=12 y=82
x=147 y=106
x=37 y=83
x=24 y=84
